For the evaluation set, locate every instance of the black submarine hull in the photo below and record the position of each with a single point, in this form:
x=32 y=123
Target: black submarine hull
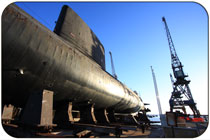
x=35 y=58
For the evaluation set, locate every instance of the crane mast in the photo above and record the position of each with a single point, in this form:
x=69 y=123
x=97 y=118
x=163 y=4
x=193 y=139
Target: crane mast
x=180 y=85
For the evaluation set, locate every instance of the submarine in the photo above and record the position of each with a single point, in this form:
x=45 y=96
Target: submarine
x=70 y=61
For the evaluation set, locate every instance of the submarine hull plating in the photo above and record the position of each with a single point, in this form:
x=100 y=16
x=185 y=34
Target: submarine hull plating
x=35 y=58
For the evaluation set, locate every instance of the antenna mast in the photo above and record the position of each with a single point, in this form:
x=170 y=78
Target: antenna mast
x=156 y=91
x=113 y=70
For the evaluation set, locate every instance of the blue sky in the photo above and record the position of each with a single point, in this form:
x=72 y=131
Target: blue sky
x=135 y=34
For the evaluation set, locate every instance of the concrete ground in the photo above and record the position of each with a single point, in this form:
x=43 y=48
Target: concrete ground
x=152 y=132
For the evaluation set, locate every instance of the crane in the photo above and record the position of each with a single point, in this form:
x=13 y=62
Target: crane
x=113 y=70
x=180 y=85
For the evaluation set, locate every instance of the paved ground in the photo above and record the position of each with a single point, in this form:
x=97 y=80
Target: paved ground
x=152 y=132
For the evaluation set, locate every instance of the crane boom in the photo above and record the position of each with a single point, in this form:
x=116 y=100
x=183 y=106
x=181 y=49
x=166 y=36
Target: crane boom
x=175 y=62
x=180 y=85
x=174 y=58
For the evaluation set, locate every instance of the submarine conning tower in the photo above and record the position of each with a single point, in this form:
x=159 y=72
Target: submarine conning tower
x=79 y=34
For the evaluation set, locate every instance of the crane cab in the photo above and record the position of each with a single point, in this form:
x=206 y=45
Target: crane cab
x=179 y=74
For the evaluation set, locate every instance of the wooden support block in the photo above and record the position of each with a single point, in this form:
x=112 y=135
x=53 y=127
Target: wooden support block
x=39 y=109
x=47 y=108
x=7 y=114
x=84 y=133
x=71 y=118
